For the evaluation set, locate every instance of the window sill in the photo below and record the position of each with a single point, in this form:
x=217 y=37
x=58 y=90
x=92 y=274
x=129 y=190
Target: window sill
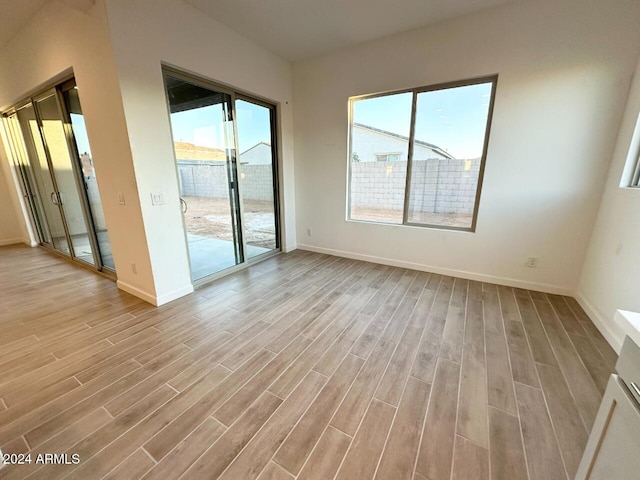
x=439 y=228
x=630 y=324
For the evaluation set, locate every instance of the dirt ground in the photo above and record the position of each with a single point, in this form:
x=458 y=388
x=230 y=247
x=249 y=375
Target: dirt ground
x=395 y=216
x=210 y=217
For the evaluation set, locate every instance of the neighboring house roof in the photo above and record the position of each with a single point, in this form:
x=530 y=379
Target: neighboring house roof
x=433 y=147
x=268 y=144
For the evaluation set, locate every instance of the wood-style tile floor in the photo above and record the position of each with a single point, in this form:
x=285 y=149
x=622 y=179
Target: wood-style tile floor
x=303 y=366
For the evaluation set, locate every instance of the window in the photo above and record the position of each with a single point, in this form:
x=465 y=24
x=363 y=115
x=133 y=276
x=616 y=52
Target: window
x=635 y=180
x=438 y=136
x=388 y=157
x=631 y=173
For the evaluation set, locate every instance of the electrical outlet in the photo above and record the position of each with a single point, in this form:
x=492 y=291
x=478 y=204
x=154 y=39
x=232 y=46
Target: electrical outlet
x=134 y=269
x=309 y=232
x=532 y=262
x=121 y=200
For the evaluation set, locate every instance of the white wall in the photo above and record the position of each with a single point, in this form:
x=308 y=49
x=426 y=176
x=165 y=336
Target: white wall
x=147 y=33
x=115 y=52
x=610 y=278
x=564 y=70
x=55 y=41
x=12 y=228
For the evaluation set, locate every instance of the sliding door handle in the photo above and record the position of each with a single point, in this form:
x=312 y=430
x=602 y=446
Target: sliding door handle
x=54 y=198
x=184 y=205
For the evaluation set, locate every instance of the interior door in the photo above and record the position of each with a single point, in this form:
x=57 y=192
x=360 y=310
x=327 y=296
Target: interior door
x=203 y=130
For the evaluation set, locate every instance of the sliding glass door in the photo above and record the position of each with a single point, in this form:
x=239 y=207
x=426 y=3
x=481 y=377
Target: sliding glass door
x=89 y=182
x=65 y=192
x=43 y=180
x=31 y=195
x=54 y=181
x=224 y=148
x=256 y=140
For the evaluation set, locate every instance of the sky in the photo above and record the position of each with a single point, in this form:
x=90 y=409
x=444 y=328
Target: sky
x=80 y=133
x=205 y=127
x=453 y=119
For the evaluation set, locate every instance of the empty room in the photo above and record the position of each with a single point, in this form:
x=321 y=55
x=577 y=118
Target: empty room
x=357 y=239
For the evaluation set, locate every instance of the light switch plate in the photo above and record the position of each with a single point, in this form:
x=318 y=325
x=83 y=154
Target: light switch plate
x=157 y=198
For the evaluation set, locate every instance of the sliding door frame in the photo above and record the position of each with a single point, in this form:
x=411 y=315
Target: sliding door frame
x=27 y=184
x=235 y=94
x=20 y=160
x=81 y=186
x=275 y=174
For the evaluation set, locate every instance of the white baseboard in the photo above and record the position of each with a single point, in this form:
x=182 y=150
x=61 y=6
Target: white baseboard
x=11 y=241
x=289 y=248
x=136 y=292
x=600 y=322
x=171 y=296
x=153 y=299
x=510 y=282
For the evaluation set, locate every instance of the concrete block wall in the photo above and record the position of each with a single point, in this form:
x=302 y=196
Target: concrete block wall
x=257 y=182
x=438 y=185
x=209 y=179
x=203 y=179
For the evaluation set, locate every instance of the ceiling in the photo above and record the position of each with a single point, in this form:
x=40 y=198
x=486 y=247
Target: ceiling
x=14 y=15
x=298 y=29
x=293 y=29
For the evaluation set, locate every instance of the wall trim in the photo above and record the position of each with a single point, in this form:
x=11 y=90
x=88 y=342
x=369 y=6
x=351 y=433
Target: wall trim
x=11 y=241
x=171 y=296
x=136 y=292
x=601 y=322
x=509 y=282
x=153 y=299
x=289 y=248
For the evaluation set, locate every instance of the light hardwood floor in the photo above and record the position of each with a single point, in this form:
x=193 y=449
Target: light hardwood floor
x=303 y=366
